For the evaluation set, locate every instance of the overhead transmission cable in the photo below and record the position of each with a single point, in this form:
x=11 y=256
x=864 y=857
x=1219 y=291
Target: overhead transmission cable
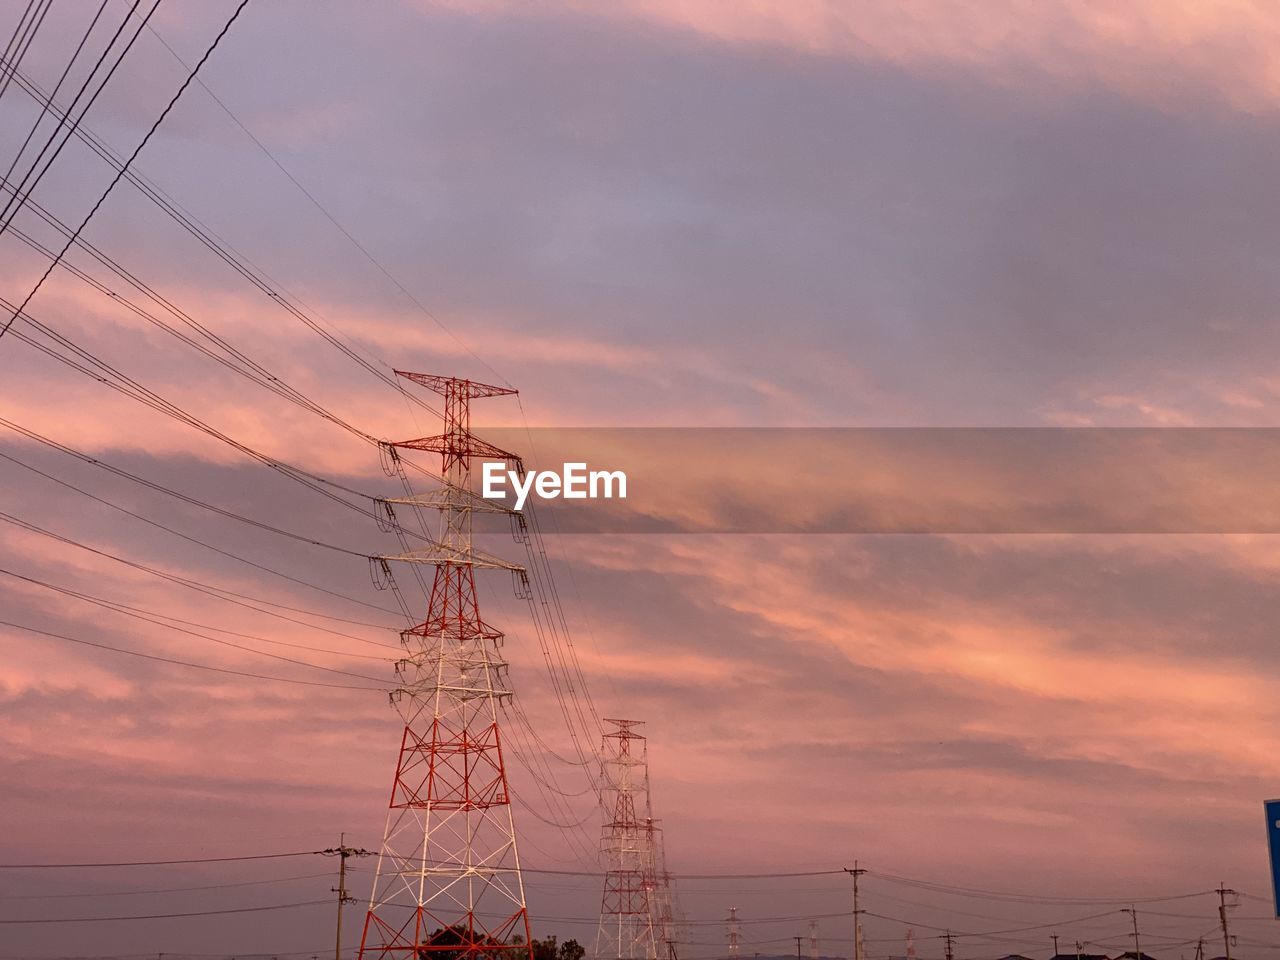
x=328 y=215
x=234 y=597
x=180 y=625
x=177 y=662
x=116 y=179
x=24 y=35
x=226 y=354
x=154 y=891
x=35 y=173
x=239 y=263
x=541 y=589
x=10 y=68
x=983 y=894
x=548 y=589
x=187 y=537
x=108 y=375
x=167 y=916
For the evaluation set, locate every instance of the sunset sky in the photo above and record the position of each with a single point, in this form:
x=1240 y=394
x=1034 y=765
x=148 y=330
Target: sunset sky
x=663 y=213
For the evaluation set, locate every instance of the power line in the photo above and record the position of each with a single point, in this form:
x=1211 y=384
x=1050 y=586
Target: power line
x=163 y=863
x=12 y=69
x=699 y=876
x=136 y=391
x=331 y=218
x=979 y=893
x=23 y=36
x=239 y=263
x=167 y=491
x=16 y=37
x=149 y=616
x=569 y=696
x=139 y=893
x=190 y=539
x=170 y=916
x=220 y=593
x=15 y=202
x=182 y=663
x=230 y=356
x=120 y=174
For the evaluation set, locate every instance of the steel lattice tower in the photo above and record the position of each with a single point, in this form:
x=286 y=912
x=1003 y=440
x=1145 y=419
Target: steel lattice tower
x=448 y=878
x=731 y=934
x=628 y=928
x=663 y=896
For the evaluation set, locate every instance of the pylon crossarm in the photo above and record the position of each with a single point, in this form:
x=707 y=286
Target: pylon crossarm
x=465 y=389
x=463 y=691
x=452 y=498
x=439 y=554
x=464 y=444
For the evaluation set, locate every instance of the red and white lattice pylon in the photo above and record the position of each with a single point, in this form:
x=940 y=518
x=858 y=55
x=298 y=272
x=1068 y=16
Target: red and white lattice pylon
x=731 y=934
x=448 y=879
x=628 y=927
x=662 y=899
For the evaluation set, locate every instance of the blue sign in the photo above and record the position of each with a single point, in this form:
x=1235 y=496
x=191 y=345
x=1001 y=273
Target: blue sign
x=1272 y=808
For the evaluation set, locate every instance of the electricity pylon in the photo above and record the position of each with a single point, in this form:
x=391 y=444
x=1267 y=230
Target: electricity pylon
x=448 y=878
x=731 y=934
x=663 y=897
x=628 y=930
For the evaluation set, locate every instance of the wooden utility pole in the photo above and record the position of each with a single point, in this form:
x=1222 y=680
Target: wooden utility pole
x=951 y=955
x=856 y=872
x=1137 y=946
x=342 y=851
x=1222 y=915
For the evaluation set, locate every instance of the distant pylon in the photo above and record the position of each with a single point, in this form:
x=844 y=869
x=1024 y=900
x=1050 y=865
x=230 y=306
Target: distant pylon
x=663 y=899
x=813 y=940
x=448 y=879
x=627 y=908
x=731 y=934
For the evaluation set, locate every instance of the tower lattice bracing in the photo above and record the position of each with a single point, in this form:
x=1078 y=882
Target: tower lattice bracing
x=662 y=898
x=448 y=878
x=731 y=934
x=630 y=928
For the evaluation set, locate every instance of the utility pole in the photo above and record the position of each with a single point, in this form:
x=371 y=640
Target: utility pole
x=342 y=851
x=950 y=945
x=1222 y=915
x=1054 y=936
x=797 y=940
x=1079 y=950
x=855 y=871
x=1137 y=946
x=1200 y=949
